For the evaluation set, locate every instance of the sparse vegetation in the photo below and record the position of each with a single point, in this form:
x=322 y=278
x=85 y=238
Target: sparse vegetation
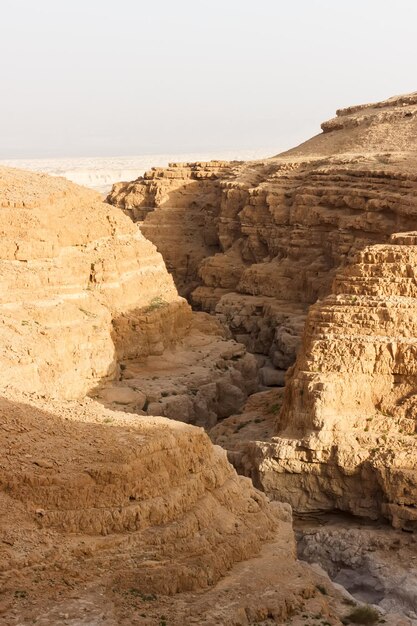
x=88 y=313
x=274 y=408
x=143 y=596
x=156 y=303
x=363 y=615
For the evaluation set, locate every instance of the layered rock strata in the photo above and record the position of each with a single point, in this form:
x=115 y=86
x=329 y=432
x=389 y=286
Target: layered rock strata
x=345 y=437
x=189 y=196
x=289 y=228
x=104 y=512
x=280 y=228
x=353 y=391
x=78 y=285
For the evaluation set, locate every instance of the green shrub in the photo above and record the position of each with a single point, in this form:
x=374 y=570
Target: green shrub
x=156 y=303
x=363 y=615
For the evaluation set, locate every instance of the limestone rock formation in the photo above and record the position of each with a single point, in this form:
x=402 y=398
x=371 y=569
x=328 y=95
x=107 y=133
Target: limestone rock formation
x=78 y=284
x=115 y=517
x=279 y=229
x=345 y=437
x=192 y=194
x=348 y=428
x=286 y=230
x=206 y=377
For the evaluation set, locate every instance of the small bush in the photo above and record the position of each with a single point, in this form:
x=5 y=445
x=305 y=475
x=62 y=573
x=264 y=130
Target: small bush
x=363 y=615
x=156 y=303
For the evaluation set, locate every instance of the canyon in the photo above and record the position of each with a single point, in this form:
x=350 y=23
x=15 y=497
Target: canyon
x=310 y=255
x=110 y=515
x=216 y=346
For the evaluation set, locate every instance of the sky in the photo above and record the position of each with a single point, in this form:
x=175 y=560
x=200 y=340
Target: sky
x=129 y=77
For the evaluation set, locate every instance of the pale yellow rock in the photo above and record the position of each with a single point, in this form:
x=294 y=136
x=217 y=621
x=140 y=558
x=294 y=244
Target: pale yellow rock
x=80 y=287
x=106 y=515
x=278 y=230
x=330 y=216
x=123 y=395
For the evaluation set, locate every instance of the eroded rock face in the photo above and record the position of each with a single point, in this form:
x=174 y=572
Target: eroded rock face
x=345 y=437
x=122 y=485
x=105 y=512
x=189 y=196
x=323 y=214
x=280 y=228
x=206 y=377
x=349 y=408
x=80 y=288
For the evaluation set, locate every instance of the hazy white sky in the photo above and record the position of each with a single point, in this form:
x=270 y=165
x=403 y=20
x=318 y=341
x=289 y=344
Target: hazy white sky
x=120 y=77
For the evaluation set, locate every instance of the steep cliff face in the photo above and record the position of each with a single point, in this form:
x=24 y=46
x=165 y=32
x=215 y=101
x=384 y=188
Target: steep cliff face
x=103 y=510
x=288 y=228
x=345 y=436
x=347 y=428
x=77 y=285
x=189 y=197
x=280 y=228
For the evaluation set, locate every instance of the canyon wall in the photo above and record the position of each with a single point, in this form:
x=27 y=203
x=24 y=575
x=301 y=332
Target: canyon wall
x=106 y=514
x=346 y=435
x=259 y=242
x=78 y=285
x=317 y=220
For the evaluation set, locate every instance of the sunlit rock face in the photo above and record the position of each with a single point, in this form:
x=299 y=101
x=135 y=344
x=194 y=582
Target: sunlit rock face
x=315 y=224
x=97 y=502
x=78 y=286
x=261 y=240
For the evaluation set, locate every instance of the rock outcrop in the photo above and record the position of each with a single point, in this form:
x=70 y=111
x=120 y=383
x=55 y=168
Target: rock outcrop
x=106 y=515
x=205 y=378
x=78 y=284
x=348 y=427
x=280 y=228
x=288 y=228
x=189 y=195
x=345 y=436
